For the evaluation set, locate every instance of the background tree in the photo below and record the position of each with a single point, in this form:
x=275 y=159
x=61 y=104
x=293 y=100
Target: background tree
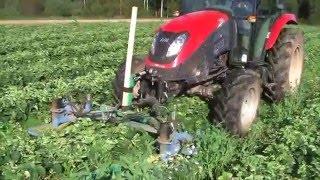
x=172 y=5
x=304 y=9
x=11 y=8
x=2 y=3
x=31 y=7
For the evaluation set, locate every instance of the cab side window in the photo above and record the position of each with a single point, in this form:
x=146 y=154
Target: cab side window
x=266 y=7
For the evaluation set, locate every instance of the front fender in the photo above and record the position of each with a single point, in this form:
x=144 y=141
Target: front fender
x=277 y=27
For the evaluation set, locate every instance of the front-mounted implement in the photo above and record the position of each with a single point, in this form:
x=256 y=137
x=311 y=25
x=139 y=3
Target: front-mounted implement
x=159 y=121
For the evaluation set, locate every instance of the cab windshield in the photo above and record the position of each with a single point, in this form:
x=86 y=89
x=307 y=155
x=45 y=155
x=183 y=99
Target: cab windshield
x=236 y=7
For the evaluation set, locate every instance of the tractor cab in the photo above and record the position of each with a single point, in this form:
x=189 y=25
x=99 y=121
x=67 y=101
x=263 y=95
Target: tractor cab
x=252 y=18
x=238 y=8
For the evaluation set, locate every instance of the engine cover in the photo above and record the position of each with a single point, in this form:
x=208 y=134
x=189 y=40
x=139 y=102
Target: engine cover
x=198 y=25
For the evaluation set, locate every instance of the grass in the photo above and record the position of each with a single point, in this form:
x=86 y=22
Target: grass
x=283 y=144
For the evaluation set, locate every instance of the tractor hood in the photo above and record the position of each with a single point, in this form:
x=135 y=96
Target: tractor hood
x=198 y=26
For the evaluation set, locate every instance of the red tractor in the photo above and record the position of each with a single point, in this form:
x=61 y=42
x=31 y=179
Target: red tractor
x=228 y=52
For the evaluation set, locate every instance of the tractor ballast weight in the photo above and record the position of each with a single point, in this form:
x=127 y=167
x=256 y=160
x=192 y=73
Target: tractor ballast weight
x=229 y=52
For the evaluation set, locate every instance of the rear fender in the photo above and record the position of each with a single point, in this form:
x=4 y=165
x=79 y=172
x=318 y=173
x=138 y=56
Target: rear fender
x=277 y=27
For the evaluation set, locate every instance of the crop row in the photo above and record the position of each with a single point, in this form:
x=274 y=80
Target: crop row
x=39 y=64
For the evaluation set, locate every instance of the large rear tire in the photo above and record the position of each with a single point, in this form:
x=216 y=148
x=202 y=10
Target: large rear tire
x=286 y=59
x=237 y=103
x=137 y=66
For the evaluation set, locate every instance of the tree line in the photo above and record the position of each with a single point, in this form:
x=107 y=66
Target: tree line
x=306 y=9
x=85 y=8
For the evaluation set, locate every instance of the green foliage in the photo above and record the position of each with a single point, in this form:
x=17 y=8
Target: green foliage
x=45 y=65
x=58 y=7
x=67 y=8
x=9 y=8
x=40 y=63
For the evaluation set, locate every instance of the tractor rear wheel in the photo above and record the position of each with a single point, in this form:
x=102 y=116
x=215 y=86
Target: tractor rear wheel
x=137 y=66
x=287 y=58
x=237 y=103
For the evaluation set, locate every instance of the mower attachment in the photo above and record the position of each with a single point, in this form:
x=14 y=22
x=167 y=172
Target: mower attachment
x=159 y=121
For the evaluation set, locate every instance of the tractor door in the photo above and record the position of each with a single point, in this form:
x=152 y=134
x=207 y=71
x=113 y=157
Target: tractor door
x=266 y=13
x=241 y=10
x=253 y=19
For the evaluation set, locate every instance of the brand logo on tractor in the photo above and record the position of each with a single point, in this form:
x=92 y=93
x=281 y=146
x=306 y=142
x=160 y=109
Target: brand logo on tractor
x=164 y=40
x=268 y=35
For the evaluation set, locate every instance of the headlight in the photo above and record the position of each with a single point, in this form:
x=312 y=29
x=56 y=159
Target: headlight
x=153 y=46
x=176 y=45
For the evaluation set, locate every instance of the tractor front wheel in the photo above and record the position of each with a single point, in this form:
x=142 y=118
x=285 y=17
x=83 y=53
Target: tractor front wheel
x=237 y=103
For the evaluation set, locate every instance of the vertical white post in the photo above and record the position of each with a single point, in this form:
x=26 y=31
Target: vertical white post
x=127 y=95
x=161 y=10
